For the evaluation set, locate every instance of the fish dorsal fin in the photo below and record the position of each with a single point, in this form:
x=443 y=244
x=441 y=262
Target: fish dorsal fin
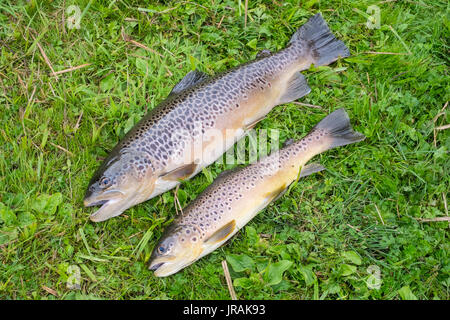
x=228 y=172
x=297 y=87
x=223 y=174
x=310 y=169
x=189 y=80
x=222 y=233
x=263 y=54
x=180 y=173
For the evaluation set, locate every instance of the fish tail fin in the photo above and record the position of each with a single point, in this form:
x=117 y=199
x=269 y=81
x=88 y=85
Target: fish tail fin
x=324 y=48
x=338 y=130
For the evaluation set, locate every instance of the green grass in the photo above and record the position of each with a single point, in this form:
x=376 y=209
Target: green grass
x=321 y=238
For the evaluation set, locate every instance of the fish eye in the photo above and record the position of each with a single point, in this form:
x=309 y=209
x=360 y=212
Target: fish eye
x=161 y=249
x=105 y=182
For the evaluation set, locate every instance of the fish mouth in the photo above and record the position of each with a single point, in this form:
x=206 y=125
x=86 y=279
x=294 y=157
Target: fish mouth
x=113 y=206
x=155 y=267
x=164 y=268
x=109 y=209
x=167 y=265
x=92 y=200
x=94 y=204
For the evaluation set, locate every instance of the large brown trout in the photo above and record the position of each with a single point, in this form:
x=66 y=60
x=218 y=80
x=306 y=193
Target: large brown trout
x=161 y=149
x=237 y=195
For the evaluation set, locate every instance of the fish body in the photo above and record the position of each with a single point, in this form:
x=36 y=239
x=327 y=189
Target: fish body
x=202 y=118
x=236 y=196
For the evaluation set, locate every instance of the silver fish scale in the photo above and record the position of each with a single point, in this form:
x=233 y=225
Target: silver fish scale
x=152 y=141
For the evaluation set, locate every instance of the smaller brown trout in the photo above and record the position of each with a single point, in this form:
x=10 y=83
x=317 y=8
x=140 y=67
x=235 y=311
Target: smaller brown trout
x=237 y=195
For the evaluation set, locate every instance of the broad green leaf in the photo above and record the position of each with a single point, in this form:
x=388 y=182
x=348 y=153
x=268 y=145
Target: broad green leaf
x=274 y=272
x=182 y=197
x=107 y=83
x=211 y=37
x=193 y=62
x=252 y=43
x=245 y=283
x=310 y=3
x=167 y=197
x=406 y=293
x=352 y=256
x=25 y=219
x=252 y=236
x=308 y=275
x=54 y=201
x=47 y=203
x=142 y=66
x=240 y=263
x=347 y=269
x=208 y=175
x=65 y=212
x=261 y=265
x=129 y=124
x=7 y=215
x=39 y=204
x=333 y=288
x=7 y=235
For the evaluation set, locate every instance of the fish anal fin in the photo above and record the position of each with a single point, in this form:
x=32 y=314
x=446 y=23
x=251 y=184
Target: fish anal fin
x=306 y=171
x=222 y=233
x=310 y=169
x=297 y=87
x=189 y=80
x=277 y=193
x=180 y=173
x=252 y=124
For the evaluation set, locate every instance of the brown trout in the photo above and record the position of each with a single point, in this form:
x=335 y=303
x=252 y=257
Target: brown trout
x=160 y=150
x=237 y=195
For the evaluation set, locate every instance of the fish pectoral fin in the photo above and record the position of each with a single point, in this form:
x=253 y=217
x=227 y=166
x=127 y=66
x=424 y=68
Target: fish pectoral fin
x=310 y=169
x=189 y=80
x=297 y=87
x=180 y=173
x=277 y=193
x=222 y=233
